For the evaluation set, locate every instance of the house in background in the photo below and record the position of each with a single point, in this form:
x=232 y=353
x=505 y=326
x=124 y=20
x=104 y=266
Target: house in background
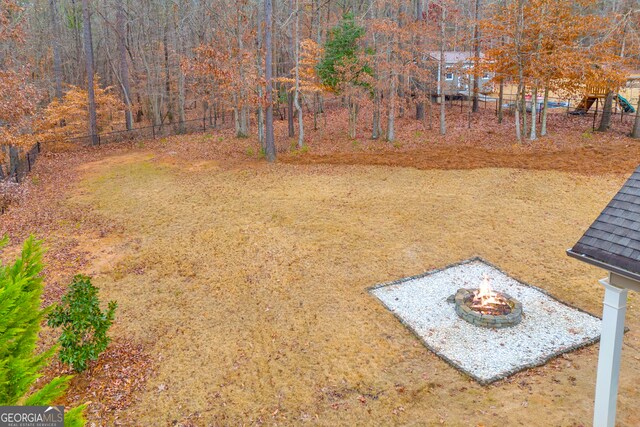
x=458 y=78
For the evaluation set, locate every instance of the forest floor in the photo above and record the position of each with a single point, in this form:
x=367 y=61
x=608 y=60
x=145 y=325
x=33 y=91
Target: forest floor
x=242 y=286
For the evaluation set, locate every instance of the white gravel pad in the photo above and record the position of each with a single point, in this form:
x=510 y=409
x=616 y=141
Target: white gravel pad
x=548 y=327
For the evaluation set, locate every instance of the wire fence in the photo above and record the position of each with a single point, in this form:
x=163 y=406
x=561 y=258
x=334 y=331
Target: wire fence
x=151 y=131
x=15 y=171
x=19 y=165
x=569 y=106
x=212 y=120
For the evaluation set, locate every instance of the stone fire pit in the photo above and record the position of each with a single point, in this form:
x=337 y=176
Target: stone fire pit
x=535 y=328
x=511 y=315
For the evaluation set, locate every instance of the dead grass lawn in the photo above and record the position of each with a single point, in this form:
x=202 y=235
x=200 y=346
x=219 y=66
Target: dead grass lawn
x=248 y=286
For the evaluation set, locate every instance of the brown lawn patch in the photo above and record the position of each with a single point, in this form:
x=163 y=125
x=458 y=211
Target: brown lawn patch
x=248 y=285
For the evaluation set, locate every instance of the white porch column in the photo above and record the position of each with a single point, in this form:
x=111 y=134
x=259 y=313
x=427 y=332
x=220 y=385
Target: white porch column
x=615 y=308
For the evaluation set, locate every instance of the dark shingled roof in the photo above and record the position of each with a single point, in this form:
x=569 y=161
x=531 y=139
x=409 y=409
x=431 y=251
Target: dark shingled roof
x=613 y=240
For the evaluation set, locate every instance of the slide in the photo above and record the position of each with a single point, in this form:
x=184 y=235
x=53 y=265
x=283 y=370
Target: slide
x=625 y=105
x=584 y=105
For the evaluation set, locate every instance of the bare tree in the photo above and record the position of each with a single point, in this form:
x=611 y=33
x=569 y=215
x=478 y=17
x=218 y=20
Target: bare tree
x=545 y=103
x=393 y=82
x=441 y=70
x=476 y=49
x=290 y=54
x=269 y=137
x=636 y=123
x=377 y=101
x=55 y=40
x=260 y=112
x=124 y=64
x=88 y=51
x=520 y=101
x=605 y=121
x=296 y=99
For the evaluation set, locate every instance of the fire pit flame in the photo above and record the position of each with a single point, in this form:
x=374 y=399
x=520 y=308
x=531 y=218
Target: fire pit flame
x=487 y=301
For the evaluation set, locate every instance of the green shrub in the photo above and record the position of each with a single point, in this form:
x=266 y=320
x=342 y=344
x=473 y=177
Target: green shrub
x=84 y=324
x=341 y=63
x=20 y=319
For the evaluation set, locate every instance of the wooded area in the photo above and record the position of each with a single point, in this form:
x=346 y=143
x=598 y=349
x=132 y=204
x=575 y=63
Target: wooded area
x=74 y=67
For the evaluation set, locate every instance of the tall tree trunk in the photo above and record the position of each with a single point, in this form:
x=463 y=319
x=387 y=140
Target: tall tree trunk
x=260 y=119
x=296 y=99
x=244 y=121
x=400 y=84
x=77 y=43
x=167 y=72
x=317 y=96
x=523 y=110
x=501 y=101
x=240 y=116
x=290 y=96
x=520 y=100
x=417 y=85
x=124 y=65
x=260 y=113
x=179 y=46
x=242 y=130
x=181 y=102
x=353 y=117
x=88 y=52
x=290 y=114
x=236 y=116
x=55 y=41
x=14 y=160
x=269 y=137
x=545 y=110
x=393 y=92
x=534 y=113
x=501 y=94
x=517 y=113
x=441 y=72
x=391 y=132
x=420 y=109
x=476 y=47
x=376 y=132
x=605 y=121
x=635 y=133
x=400 y=92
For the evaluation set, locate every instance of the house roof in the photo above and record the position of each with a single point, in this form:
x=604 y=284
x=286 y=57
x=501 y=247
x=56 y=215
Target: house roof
x=451 y=57
x=613 y=240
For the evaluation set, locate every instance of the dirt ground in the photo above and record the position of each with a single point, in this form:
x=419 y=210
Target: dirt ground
x=245 y=284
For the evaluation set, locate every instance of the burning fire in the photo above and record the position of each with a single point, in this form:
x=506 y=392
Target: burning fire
x=487 y=301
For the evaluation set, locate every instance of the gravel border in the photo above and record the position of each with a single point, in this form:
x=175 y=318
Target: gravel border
x=461 y=360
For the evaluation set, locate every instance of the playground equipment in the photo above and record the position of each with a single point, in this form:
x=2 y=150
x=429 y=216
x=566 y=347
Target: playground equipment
x=625 y=105
x=593 y=96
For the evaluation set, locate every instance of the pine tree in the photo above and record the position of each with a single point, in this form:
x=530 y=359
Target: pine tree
x=20 y=321
x=343 y=69
x=340 y=64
